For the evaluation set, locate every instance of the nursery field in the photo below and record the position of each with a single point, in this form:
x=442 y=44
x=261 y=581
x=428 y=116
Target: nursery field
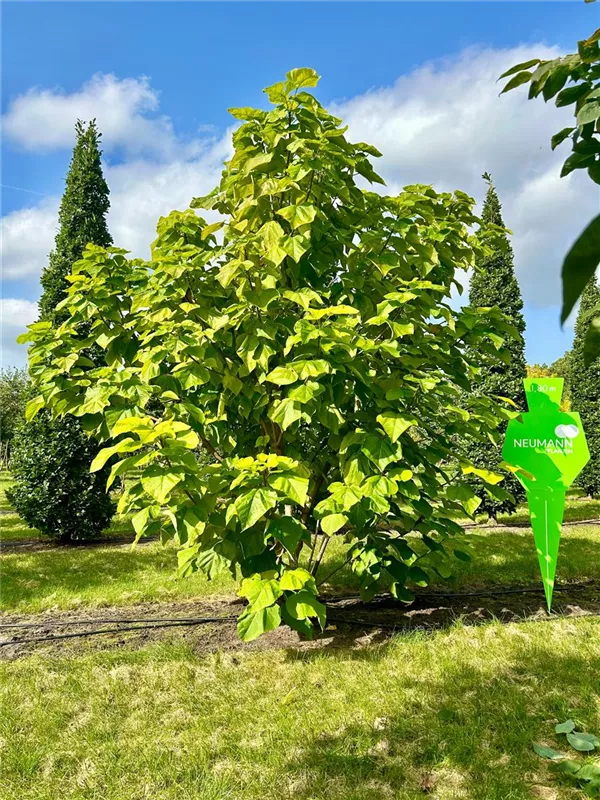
x=442 y=700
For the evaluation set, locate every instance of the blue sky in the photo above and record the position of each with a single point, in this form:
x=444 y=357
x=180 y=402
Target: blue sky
x=416 y=79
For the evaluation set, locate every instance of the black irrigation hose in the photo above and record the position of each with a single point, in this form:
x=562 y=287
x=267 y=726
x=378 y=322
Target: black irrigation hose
x=199 y=621
x=484 y=593
x=113 y=621
x=390 y=626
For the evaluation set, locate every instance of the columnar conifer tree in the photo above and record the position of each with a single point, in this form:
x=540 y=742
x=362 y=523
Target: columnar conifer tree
x=495 y=284
x=54 y=490
x=585 y=388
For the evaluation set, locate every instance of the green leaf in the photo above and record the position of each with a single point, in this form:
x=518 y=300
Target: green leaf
x=379 y=451
x=294 y=579
x=394 y=424
x=565 y=727
x=128 y=464
x=580 y=265
x=401 y=593
x=124 y=446
x=298 y=215
x=332 y=523
x=418 y=576
x=547 y=752
x=565 y=766
x=462 y=556
x=289 y=531
x=311 y=369
x=252 y=624
x=555 y=81
x=294 y=487
x=591 y=347
x=559 y=137
x=295 y=246
x=132 y=424
x=301 y=78
x=576 y=161
x=487 y=475
x=588 y=772
x=140 y=520
x=588 y=112
x=260 y=592
x=282 y=376
x=228 y=272
x=285 y=412
x=583 y=742
x=96 y=400
x=572 y=94
x=307 y=392
x=276 y=93
x=522 y=77
x=159 y=481
x=253 y=505
x=258 y=162
x=33 y=406
x=520 y=67
x=463 y=494
x=319 y=313
x=303 y=604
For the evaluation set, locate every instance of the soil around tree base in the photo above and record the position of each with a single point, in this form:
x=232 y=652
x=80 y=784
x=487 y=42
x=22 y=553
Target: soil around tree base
x=350 y=623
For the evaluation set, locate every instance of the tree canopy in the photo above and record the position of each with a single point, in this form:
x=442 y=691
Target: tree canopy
x=307 y=343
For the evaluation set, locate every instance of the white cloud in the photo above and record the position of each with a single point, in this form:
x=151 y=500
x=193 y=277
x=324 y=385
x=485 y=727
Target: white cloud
x=15 y=315
x=27 y=238
x=44 y=119
x=444 y=124
x=142 y=191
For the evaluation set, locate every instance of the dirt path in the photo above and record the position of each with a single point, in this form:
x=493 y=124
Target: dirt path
x=350 y=623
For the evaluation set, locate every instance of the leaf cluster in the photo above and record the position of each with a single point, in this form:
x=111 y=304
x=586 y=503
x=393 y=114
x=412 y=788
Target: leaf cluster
x=585 y=775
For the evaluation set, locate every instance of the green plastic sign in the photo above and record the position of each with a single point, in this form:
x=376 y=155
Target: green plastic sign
x=548 y=448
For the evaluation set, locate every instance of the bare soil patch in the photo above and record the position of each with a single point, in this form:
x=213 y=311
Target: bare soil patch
x=351 y=624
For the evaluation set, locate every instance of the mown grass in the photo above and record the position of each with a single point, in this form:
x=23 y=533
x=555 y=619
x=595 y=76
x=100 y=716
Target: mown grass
x=451 y=714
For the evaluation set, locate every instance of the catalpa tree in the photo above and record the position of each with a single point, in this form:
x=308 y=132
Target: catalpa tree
x=306 y=343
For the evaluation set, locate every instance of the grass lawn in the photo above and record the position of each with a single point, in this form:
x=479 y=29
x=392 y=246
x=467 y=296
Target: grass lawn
x=446 y=714
x=451 y=714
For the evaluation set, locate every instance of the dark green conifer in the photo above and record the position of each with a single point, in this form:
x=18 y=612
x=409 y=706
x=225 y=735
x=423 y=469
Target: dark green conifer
x=81 y=218
x=54 y=490
x=495 y=284
x=585 y=388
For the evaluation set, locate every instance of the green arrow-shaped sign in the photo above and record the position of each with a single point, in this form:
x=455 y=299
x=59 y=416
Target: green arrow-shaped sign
x=547 y=447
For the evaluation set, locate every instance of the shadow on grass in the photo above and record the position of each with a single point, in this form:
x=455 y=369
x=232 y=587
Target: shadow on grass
x=464 y=732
